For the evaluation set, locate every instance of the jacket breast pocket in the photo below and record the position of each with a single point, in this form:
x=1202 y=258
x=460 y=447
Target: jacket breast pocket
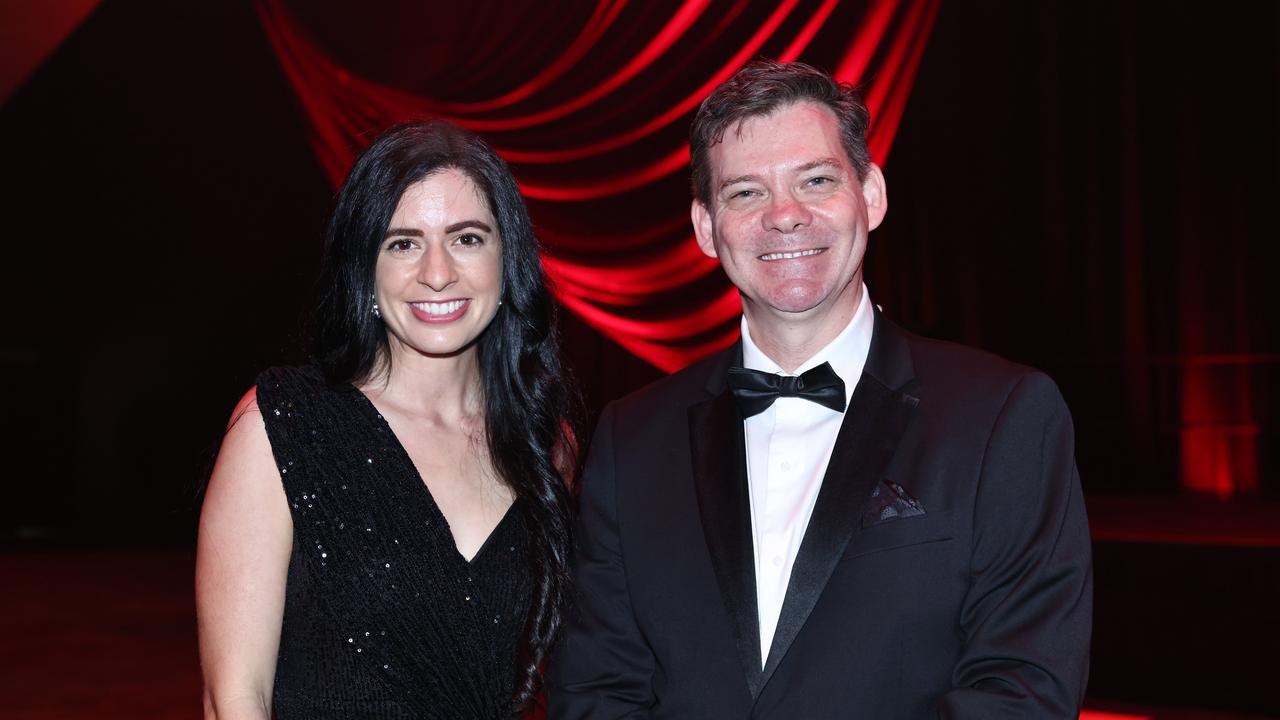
x=934 y=527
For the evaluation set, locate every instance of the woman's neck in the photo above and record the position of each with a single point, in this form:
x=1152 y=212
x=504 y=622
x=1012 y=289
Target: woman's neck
x=441 y=387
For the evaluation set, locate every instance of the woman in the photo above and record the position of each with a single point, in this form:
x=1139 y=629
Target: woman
x=385 y=533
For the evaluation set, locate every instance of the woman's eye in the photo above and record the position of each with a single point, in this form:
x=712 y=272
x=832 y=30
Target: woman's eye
x=400 y=245
x=469 y=240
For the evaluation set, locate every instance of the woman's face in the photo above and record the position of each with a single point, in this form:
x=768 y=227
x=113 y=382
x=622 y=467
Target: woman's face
x=438 y=279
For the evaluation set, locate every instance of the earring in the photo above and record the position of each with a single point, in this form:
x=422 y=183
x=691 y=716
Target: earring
x=376 y=313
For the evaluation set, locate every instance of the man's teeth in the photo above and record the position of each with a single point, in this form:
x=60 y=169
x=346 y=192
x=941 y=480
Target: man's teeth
x=790 y=255
x=440 y=308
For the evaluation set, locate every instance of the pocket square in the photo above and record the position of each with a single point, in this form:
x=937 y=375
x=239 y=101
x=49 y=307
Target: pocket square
x=890 y=501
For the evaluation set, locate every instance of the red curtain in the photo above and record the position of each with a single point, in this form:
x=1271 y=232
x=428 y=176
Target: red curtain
x=595 y=131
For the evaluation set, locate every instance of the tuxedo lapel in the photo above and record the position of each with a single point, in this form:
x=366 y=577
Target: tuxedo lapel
x=720 y=479
x=877 y=415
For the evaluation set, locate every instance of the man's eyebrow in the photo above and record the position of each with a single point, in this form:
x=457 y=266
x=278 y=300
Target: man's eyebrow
x=811 y=165
x=735 y=180
x=822 y=162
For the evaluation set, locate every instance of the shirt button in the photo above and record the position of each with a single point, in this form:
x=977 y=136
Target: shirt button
x=777 y=561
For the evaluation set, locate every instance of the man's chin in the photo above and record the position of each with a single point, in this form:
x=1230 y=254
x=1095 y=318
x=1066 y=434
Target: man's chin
x=788 y=312
x=798 y=308
x=799 y=301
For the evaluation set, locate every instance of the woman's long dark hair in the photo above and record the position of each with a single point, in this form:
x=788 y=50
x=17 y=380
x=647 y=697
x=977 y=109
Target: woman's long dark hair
x=528 y=409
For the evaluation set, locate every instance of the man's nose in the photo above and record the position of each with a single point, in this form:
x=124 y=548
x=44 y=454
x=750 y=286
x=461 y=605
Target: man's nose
x=436 y=268
x=786 y=214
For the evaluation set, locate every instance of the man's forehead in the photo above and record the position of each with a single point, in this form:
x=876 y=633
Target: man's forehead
x=797 y=136
x=790 y=114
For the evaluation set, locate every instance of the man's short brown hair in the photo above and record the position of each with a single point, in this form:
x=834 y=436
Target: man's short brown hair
x=762 y=87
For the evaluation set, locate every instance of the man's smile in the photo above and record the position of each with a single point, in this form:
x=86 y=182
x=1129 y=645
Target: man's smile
x=791 y=255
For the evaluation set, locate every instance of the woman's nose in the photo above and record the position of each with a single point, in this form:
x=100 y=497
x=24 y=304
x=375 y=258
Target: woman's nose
x=436 y=269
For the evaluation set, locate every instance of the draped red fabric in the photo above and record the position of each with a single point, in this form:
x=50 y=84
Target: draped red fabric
x=596 y=134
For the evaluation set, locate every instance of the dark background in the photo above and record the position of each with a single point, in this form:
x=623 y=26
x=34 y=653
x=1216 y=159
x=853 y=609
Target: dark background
x=1087 y=187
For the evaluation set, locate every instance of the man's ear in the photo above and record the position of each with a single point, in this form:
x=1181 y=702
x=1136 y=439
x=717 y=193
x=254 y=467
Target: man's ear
x=703 y=228
x=875 y=195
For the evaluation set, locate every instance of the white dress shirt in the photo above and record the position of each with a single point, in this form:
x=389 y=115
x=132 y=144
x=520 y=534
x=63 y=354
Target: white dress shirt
x=788 y=447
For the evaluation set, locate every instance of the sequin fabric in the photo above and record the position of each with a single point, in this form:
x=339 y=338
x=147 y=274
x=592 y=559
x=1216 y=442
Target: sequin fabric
x=383 y=617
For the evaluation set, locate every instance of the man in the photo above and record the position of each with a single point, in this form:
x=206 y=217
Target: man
x=898 y=532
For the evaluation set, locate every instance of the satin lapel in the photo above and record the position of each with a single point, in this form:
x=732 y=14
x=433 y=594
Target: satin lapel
x=720 y=478
x=873 y=424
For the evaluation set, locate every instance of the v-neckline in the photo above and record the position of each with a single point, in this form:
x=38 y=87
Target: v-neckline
x=403 y=452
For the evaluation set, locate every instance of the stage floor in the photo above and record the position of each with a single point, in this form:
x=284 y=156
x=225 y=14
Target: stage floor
x=111 y=634
x=104 y=635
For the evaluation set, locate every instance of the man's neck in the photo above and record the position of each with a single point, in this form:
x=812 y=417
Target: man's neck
x=791 y=339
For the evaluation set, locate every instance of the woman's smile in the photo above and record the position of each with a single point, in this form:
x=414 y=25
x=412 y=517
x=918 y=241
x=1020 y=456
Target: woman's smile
x=441 y=311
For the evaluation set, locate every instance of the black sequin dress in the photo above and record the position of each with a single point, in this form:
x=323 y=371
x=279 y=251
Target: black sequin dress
x=383 y=617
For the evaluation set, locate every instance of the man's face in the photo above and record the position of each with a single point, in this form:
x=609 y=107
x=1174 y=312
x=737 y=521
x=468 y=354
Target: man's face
x=788 y=218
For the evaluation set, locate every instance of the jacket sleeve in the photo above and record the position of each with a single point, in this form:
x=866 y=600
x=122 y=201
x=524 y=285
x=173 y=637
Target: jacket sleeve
x=1027 y=616
x=602 y=668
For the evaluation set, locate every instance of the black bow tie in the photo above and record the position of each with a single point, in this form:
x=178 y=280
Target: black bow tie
x=755 y=391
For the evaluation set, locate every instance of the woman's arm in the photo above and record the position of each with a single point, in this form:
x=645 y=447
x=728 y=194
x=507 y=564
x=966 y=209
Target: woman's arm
x=242 y=561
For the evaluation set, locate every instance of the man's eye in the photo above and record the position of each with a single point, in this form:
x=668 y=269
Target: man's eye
x=820 y=180
x=743 y=194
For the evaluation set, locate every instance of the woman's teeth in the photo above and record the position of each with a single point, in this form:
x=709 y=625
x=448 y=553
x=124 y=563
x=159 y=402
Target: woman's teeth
x=440 y=308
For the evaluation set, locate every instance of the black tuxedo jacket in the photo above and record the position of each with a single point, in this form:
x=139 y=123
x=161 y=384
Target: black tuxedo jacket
x=945 y=571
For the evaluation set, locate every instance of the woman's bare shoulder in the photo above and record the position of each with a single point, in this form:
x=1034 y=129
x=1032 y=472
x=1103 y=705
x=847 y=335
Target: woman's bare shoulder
x=248 y=405
x=245 y=446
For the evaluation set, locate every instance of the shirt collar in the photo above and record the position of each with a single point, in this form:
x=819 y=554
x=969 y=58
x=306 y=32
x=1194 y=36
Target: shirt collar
x=847 y=352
